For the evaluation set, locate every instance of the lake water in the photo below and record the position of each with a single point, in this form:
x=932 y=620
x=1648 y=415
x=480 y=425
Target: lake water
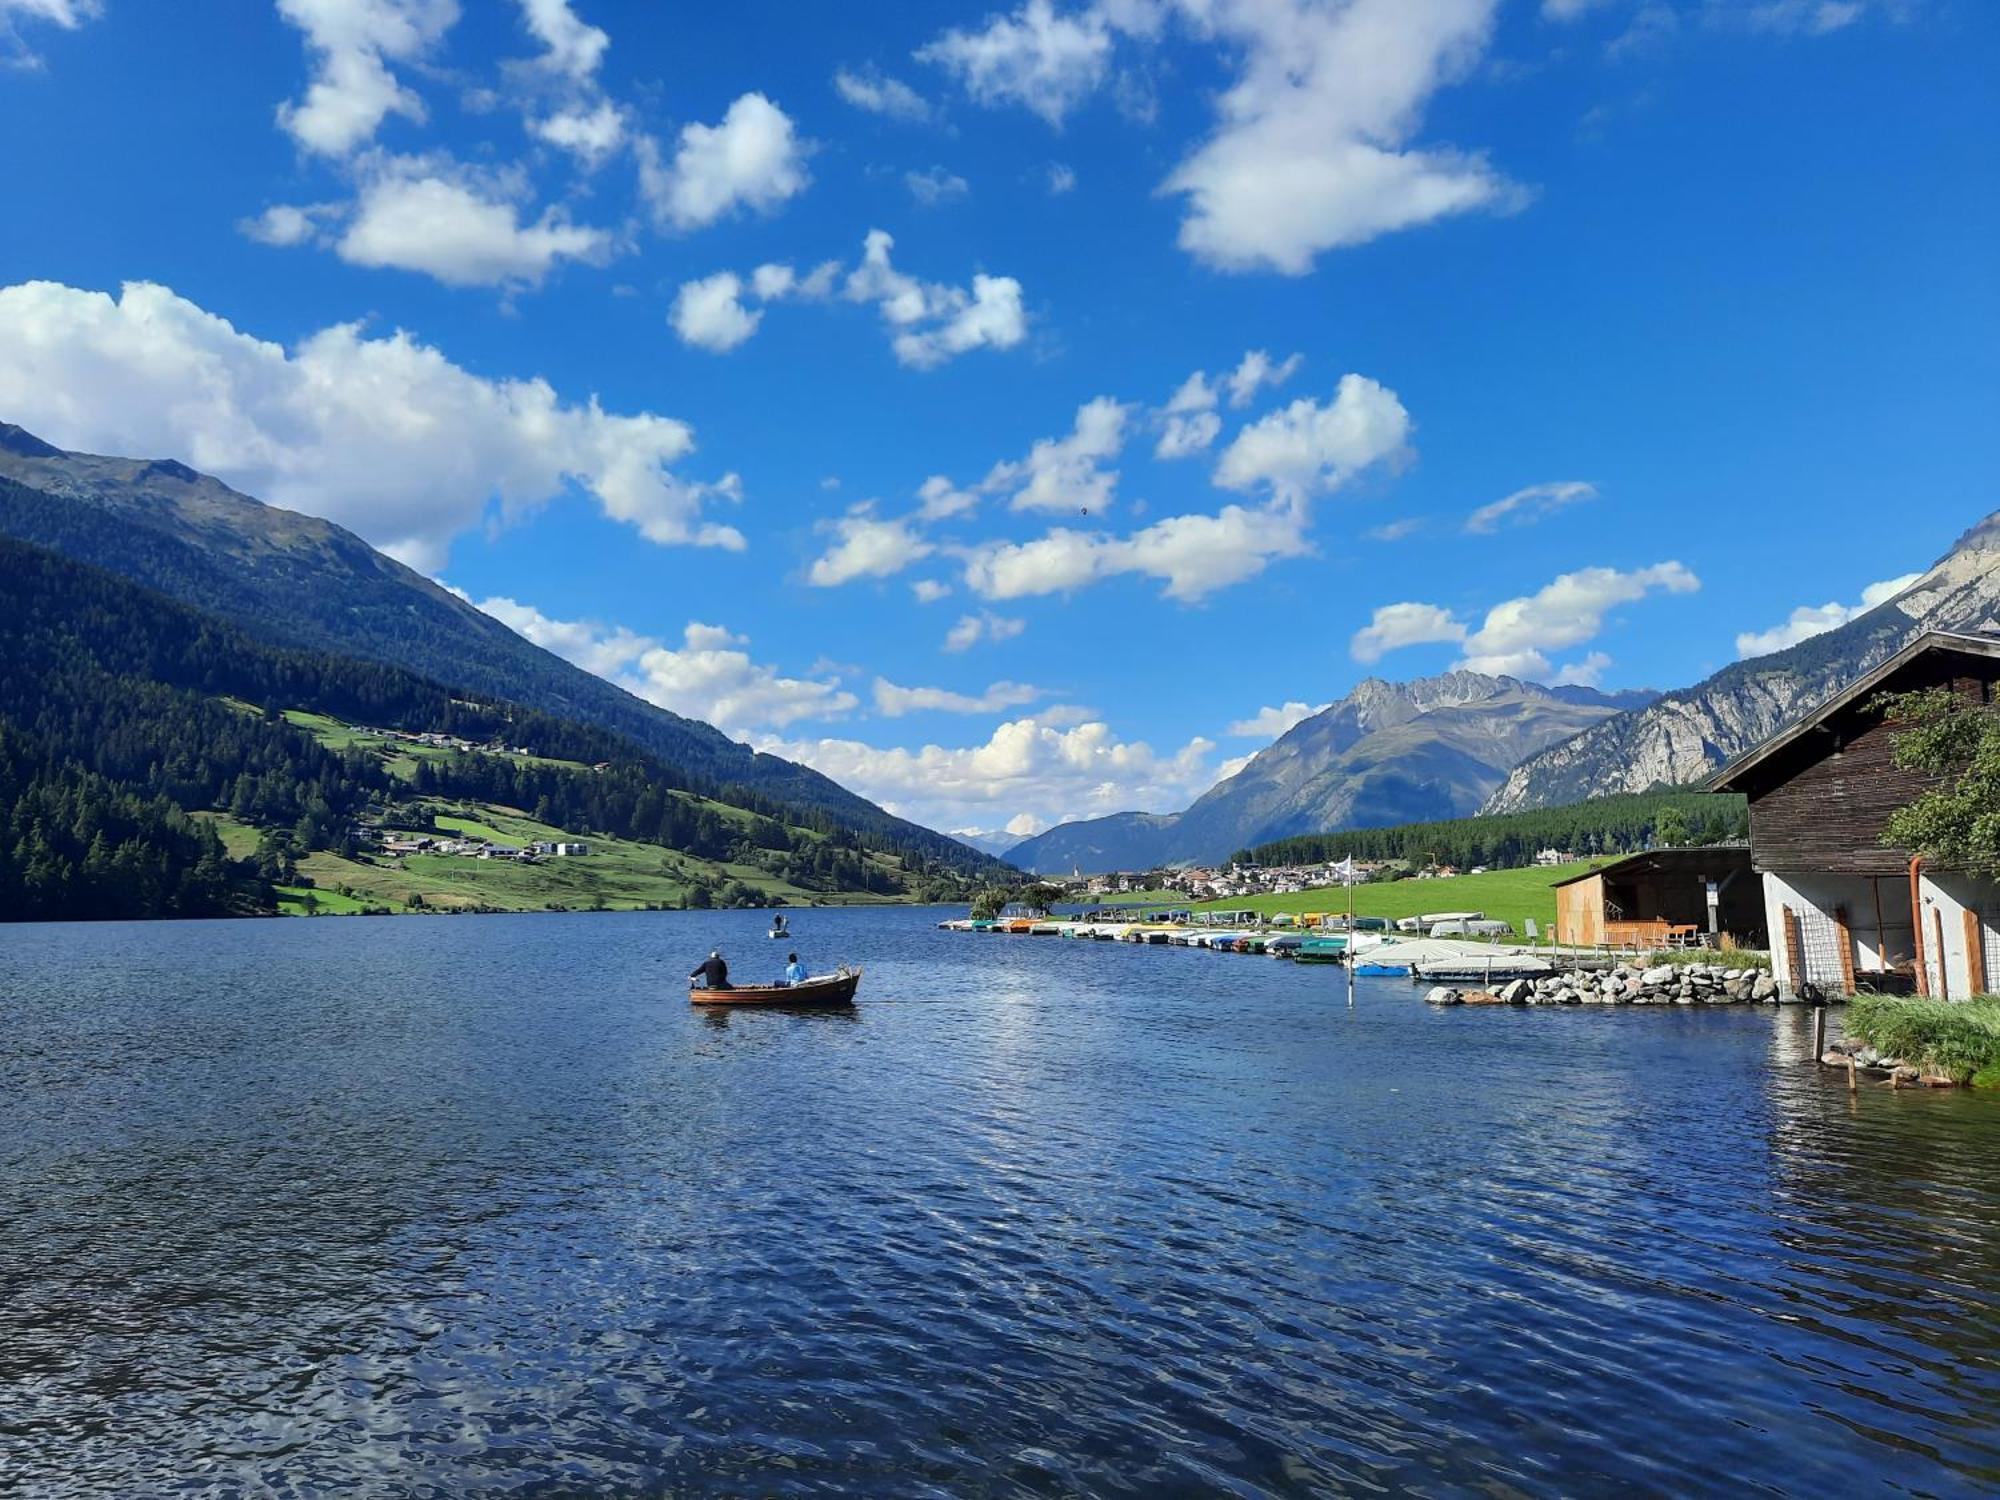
x=481 y=1206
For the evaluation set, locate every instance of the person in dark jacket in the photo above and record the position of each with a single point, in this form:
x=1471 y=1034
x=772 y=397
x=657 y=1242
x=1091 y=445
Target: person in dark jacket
x=712 y=972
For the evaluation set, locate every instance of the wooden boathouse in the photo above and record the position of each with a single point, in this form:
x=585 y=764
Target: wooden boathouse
x=1660 y=898
x=1844 y=910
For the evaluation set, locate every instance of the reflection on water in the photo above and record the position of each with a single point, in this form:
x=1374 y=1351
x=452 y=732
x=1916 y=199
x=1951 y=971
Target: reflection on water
x=484 y=1206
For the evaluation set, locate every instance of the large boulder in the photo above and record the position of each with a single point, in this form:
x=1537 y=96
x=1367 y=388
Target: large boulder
x=1444 y=995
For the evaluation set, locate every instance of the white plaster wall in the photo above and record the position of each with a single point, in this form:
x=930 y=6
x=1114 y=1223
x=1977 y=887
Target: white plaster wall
x=1826 y=893
x=1951 y=896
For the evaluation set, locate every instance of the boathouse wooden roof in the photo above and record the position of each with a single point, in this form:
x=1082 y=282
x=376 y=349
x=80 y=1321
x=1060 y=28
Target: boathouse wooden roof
x=1806 y=739
x=1694 y=858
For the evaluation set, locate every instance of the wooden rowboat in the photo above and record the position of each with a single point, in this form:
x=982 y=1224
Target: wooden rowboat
x=820 y=991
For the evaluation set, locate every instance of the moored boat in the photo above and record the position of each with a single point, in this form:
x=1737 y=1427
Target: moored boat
x=1322 y=950
x=1470 y=969
x=820 y=990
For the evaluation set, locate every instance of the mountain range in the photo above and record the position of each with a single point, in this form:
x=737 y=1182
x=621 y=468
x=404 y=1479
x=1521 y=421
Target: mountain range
x=299 y=581
x=1386 y=753
x=1682 y=736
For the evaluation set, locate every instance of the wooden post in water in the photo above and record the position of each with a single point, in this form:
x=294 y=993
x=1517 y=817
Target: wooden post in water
x=1819 y=1033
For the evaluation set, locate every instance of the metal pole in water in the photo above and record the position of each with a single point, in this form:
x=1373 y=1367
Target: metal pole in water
x=1348 y=946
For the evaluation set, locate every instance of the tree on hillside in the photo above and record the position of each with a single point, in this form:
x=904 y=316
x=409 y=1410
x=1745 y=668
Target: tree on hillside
x=1957 y=822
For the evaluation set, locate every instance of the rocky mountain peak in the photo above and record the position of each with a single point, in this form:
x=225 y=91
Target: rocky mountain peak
x=1690 y=733
x=19 y=440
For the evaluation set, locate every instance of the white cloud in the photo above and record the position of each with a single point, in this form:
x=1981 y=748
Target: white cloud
x=1526 y=506
x=353 y=90
x=708 y=313
x=1189 y=421
x=570 y=46
x=931 y=323
x=935 y=185
x=1395 y=531
x=286 y=224
x=426 y=214
x=1067 y=473
x=1809 y=620
x=1032 y=772
x=1586 y=673
x=1394 y=626
x=1258 y=371
x=1789 y=17
x=707 y=677
x=1306 y=447
x=66 y=15
x=893 y=702
x=881 y=95
x=1313 y=149
x=1516 y=636
x=384 y=435
x=1314 y=146
x=753 y=159
x=867 y=548
x=1185 y=435
x=1061 y=179
x=1193 y=394
x=1569 y=10
x=928 y=323
x=929 y=590
x=941 y=501
x=1036 y=58
x=593 y=132
x=1269 y=723
x=984 y=626
x=1194 y=555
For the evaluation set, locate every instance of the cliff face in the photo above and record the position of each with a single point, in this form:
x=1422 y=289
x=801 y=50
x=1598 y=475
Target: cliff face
x=1685 y=735
x=1386 y=753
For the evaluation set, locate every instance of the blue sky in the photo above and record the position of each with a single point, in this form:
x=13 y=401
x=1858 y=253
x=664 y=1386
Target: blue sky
x=1023 y=413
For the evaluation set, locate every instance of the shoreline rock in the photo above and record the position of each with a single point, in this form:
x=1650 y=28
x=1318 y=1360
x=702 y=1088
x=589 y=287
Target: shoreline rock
x=1627 y=984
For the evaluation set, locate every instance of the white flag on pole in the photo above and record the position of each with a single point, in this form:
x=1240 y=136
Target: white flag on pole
x=1344 y=871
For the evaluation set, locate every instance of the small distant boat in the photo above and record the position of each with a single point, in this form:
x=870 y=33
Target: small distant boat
x=1046 y=929
x=778 y=929
x=1363 y=969
x=818 y=992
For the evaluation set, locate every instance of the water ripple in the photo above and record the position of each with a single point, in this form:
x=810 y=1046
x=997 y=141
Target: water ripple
x=479 y=1207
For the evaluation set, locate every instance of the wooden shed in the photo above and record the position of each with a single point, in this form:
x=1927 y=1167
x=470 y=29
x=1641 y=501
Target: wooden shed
x=1844 y=909
x=1660 y=899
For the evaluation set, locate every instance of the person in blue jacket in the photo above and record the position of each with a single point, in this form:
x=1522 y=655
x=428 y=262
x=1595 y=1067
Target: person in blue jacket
x=795 y=972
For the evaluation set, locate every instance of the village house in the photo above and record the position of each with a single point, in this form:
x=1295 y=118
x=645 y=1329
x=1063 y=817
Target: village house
x=1845 y=911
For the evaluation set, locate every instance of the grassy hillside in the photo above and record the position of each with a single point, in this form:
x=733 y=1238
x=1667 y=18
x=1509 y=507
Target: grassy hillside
x=618 y=874
x=1504 y=895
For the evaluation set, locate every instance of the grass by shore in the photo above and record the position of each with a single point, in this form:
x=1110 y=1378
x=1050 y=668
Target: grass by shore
x=1503 y=895
x=1958 y=1039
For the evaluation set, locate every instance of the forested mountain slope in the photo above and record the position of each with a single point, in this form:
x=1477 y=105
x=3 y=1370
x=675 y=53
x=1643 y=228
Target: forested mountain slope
x=122 y=712
x=300 y=581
